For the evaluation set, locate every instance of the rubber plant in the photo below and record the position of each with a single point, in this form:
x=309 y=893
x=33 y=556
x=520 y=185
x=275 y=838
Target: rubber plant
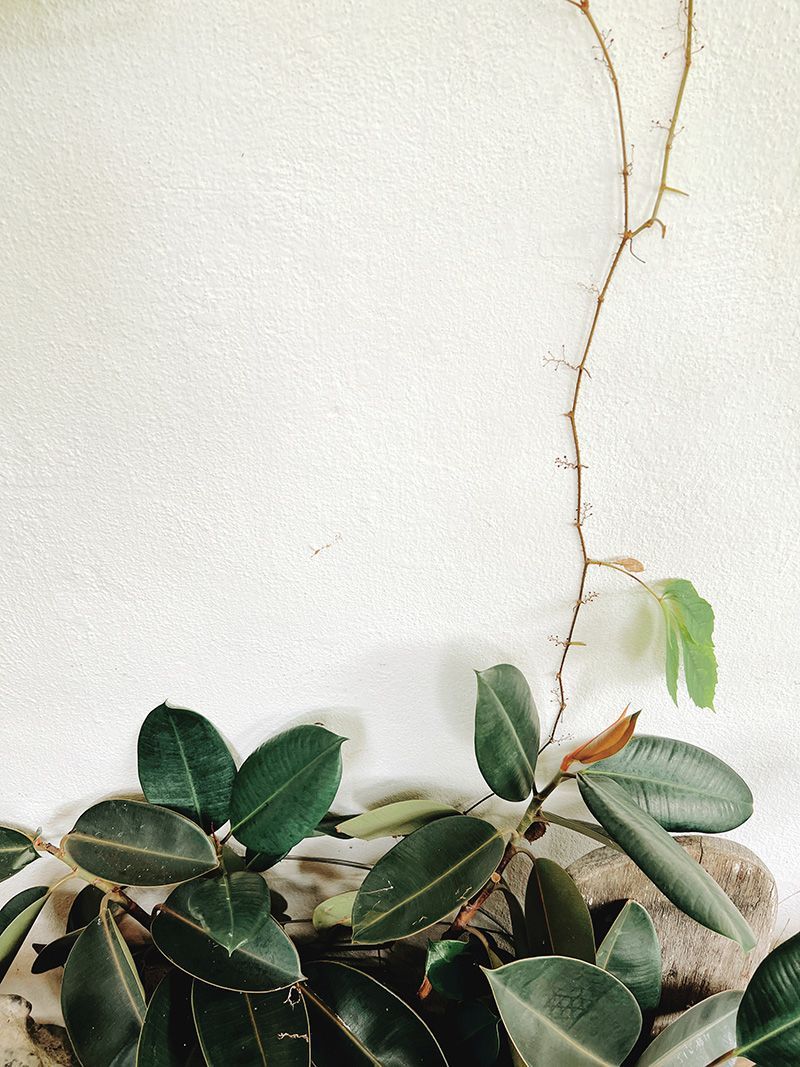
x=229 y=983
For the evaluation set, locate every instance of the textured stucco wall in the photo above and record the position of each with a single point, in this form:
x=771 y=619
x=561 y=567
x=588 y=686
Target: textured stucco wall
x=278 y=276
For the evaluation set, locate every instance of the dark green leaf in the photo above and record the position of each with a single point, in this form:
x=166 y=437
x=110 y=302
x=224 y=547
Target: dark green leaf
x=631 y=952
x=16 y=852
x=327 y=826
x=356 y=1021
x=285 y=788
x=506 y=731
x=260 y=861
x=557 y=918
x=168 y=1037
x=425 y=877
x=102 y=998
x=768 y=1023
x=229 y=908
x=55 y=953
x=246 y=1030
x=671 y=868
x=689 y=620
x=700 y=1036
x=453 y=968
x=85 y=907
x=265 y=962
x=519 y=927
x=395 y=820
x=565 y=1012
x=475 y=1035
x=130 y=843
x=185 y=765
x=16 y=919
x=682 y=787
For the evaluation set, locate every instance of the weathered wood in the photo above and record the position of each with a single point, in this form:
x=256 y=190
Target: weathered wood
x=24 y=1043
x=696 y=962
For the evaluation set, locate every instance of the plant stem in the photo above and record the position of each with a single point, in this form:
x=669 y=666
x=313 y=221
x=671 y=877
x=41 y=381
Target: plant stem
x=622 y=570
x=625 y=240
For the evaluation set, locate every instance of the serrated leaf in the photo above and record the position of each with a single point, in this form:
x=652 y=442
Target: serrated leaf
x=564 y=1011
x=168 y=1037
x=684 y=788
x=284 y=789
x=335 y=911
x=768 y=1021
x=131 y=843
x=102 y=999
x=669 y=867
x=394 y=820
x=631 y=952
x=16 y=851
x=185 y=765
x=506 y=732
x=17 y=917
x=689 y=620
x=425 y=877
x=251 y=1030
x=356 y=1020
x=699 y=1036
x=556 y=914
x=266 y=961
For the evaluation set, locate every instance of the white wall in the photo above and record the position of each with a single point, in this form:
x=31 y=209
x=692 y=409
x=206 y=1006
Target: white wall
x=276 y=276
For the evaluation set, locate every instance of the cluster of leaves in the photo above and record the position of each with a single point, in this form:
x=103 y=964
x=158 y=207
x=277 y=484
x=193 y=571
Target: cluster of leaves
x=234 y=990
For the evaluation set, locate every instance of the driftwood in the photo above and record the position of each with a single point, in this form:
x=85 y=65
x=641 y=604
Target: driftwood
x=696 y=962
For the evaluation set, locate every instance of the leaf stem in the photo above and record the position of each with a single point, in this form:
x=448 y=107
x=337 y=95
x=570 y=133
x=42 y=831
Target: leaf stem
x=629 y=574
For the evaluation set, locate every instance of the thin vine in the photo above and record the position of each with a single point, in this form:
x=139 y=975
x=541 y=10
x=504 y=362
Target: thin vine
x=625 y=241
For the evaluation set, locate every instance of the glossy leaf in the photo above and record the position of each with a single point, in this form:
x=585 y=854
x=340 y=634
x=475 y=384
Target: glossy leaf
x=506 y=732
x=86 y=907
x=17 y=917
x=699 y=1036
x=689 y=624
x=670 y=868
x=452 y=968
x=556 y=915
x=565 y=1011
x=357 y=1021
x=265 y=962
x=631 y=952
x=768 y=1023
x=16 y=852
x=285 y=788
x=475 y=1035
x=425 y=877
x=519 y=927
x=229 y=908
x=102 y=999
x=336 y=911
x=55 y=953
x=251 y=1030
x=684 y=788
x=168 y=1037
x=580 y=826
x=394 y=820
x=131 y=843
x=185 y=765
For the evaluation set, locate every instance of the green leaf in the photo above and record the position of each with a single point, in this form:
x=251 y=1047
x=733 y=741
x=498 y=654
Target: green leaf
x=453 y=968
x=86 y=907
x=266 y=961
x=670 y=868
x=185 y=765
x=689 y=620
x=131 y=843
x=425 y=877
x=580 y=826
x=357 y=1021
x=245 y=1030
x=285 y=788
x=556 y=915
x=336 y=911
x=519 y=927
x=506 y=732
x=229 y=908
x=699 y=1036
x=768 y=1023
x=631 y=952
x=475 y=1035
x=168 y=1037
x=102 y=999
x=682 y=787
x=16 y=919
x=55 y=953
x=565 y=1011
x=16 y=852
x=395 y=820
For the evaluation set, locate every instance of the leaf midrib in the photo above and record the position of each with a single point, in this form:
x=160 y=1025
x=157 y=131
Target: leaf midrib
x=552 y=1026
